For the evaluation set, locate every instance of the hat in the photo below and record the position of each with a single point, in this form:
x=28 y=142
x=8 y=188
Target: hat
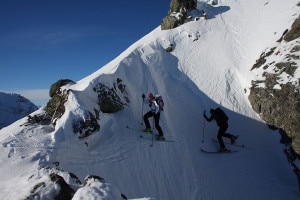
x=150 y=96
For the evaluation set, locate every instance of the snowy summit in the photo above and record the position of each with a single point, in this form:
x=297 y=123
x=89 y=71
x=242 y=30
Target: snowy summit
x=88 y=150
x=14 y=107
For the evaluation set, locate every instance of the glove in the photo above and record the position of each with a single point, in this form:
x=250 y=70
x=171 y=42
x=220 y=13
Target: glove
x=143 y=96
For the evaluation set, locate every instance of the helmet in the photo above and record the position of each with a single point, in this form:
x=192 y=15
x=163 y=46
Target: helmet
x=150 y=96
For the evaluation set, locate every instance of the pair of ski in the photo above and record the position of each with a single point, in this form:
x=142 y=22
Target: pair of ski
x=217 y=152
x=145 y=135
x=228 y=151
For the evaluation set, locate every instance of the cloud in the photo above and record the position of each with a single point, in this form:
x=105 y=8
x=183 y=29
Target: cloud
x=67 y=35
x=51 y=36
x=35 y=94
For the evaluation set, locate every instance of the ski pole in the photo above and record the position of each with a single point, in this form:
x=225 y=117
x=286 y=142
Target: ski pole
x=143 y=96
x=152 y=132
x=203 y=131
x=203 y=128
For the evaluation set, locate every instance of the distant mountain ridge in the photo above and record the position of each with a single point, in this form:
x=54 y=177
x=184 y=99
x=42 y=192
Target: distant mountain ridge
x=14 y=107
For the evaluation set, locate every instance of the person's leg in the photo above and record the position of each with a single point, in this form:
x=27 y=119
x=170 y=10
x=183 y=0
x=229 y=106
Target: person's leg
x=220 y=140
x=221 y=134
x=146 y=119
x=231 y=137
x=157 y=126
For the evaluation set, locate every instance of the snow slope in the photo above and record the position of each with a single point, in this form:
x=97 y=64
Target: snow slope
x=209 y=67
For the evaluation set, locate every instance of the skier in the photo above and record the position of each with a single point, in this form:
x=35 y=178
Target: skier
x=222 y=121
x=155 y=113
x=204 y=14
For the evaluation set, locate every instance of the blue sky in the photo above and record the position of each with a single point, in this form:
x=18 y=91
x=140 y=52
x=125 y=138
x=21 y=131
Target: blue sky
x=42 y=41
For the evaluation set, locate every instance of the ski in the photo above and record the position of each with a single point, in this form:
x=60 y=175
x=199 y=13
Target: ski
x=217 y=152
x=150 y=138
x=135 y=129
x=144 y=136
x=236 y=145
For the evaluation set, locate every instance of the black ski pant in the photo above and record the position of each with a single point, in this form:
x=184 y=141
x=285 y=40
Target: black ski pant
x=156 y=121
x=221 y=133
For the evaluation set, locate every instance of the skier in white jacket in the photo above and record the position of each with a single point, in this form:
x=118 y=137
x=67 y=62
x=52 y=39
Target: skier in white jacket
x=154 y=112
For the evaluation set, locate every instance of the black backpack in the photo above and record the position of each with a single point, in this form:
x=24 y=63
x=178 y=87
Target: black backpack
x=221 y=115
x=160 y=102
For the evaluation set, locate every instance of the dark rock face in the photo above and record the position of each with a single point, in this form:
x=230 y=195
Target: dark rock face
x=279 y=108
x=294 y=33
x=110 y=98
x=169 y=22
x=175 y=5
x=178 y=13
x=276 y=96
x=109 y=101
x=55 y=107
x=86 y=127
x=66 y=192
x=55 y=87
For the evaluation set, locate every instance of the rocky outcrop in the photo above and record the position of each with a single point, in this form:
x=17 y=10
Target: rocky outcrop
x=278 y=107
x=178 y=13
x=98 y=189
x=275 y=96
x=87 y=126
x=294 y=33
x=169 y=22
x=111 y=99
x=50 y=183
x=55 y=107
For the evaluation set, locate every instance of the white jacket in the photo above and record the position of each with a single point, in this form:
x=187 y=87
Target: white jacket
x=154 y=107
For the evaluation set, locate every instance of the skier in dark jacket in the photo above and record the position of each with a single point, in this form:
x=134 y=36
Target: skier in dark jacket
x=222 y=122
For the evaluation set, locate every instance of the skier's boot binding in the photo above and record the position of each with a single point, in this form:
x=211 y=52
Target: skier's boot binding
x=223 y=150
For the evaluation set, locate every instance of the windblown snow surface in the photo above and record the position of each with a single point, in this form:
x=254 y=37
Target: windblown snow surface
x=209 y=67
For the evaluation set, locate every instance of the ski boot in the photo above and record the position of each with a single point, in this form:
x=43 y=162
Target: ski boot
x=233 y=139
x=147 y=130
x=160 y=137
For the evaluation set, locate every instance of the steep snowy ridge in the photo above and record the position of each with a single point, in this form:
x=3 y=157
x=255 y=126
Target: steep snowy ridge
x=209 y=67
